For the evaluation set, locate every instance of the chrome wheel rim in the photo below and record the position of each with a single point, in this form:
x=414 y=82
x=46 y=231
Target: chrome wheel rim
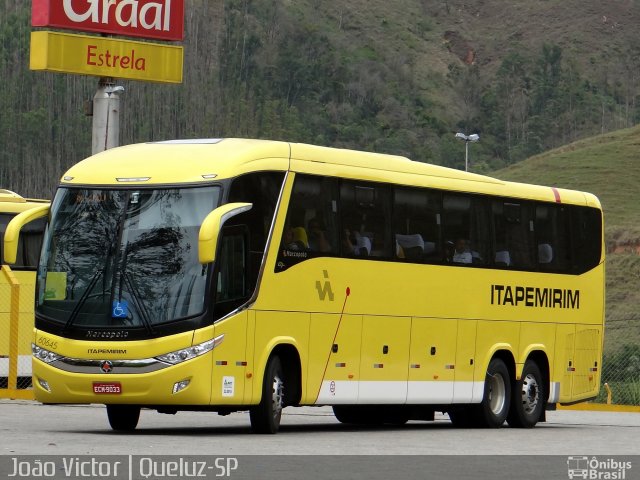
x=530 y=393
x=497 y=394
x=278 y=396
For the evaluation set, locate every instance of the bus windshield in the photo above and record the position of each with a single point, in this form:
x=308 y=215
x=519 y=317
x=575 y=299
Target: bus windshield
x=124 y=258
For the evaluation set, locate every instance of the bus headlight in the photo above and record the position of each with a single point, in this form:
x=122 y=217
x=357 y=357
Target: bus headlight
x=188 y=353
x=42 y=354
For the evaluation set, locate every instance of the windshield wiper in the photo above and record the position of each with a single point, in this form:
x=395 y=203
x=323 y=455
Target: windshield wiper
x=83 y=298
x=137 y=300
x=135 y=294
x=92 y=283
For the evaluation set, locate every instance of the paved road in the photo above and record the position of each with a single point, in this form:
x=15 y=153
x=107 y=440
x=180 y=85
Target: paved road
x=28 y=428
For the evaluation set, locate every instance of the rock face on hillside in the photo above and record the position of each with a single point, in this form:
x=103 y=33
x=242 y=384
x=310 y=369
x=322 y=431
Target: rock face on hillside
x=460 y=47
x=626 y=248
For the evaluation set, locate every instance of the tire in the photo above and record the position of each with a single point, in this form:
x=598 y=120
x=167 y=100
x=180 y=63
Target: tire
x=529 y=396
x=123 y=418
x=265 y=417
x=493 y=410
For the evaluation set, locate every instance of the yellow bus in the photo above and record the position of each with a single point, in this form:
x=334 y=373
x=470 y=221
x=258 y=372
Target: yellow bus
x=230 y=275
x=21 y=275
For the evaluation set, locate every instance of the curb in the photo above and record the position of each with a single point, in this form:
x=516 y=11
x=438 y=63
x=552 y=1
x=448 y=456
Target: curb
x=601 y=407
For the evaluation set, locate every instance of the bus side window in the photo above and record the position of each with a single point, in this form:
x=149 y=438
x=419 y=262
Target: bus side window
x=552 y=238
x=480 y=244
x=586 y=239
x=260 y=189
x=366 y=219
x=232 y=289
x=310 y=229
x=466 y=229
x=513 y=232
x=416 y=225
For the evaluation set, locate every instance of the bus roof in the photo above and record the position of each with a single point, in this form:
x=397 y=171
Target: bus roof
x=208 y=160
x=178 y=162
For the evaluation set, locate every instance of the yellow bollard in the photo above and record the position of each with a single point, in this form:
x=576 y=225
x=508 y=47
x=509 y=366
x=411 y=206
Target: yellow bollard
x=608 y=389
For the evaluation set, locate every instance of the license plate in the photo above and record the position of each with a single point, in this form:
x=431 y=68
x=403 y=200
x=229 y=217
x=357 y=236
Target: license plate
x=108 y=388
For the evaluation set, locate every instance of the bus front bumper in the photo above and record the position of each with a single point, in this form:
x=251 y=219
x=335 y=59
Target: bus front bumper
x=187 y=383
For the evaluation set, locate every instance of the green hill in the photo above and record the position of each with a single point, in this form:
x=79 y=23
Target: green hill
x=609 y=166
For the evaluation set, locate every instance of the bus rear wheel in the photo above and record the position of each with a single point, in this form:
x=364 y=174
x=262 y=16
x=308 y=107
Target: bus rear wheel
x=123 y=418
x=265 y=417
x=529 y=394
x=493 y=410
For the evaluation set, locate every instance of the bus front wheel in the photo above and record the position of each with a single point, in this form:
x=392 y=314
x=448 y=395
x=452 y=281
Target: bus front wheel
x=529 y=394
x=265 y=417
x=123 y=418
x=493 y=410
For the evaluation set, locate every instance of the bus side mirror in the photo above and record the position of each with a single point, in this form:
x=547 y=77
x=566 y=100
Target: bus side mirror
x=210 y=228
x=12 y=234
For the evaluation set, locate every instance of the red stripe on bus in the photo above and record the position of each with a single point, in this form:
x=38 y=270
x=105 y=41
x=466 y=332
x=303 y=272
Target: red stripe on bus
x=556 y=194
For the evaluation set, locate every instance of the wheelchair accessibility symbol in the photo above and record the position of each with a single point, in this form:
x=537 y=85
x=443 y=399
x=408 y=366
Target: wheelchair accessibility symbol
x=120 y=310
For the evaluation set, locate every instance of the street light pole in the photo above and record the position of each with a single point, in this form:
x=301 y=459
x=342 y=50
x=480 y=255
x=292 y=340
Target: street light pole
x=106 y=116
x=474 y=137
x=466 y=155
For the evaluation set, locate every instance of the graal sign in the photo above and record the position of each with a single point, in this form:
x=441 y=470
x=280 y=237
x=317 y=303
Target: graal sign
x=157 y=19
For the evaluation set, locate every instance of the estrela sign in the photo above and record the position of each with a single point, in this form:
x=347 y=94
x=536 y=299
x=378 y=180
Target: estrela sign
x=104 y=57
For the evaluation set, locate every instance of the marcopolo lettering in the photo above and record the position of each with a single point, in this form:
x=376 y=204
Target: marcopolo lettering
x=520 y=296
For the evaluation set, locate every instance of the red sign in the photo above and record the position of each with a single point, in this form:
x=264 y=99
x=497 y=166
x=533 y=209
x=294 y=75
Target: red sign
x=158 y=19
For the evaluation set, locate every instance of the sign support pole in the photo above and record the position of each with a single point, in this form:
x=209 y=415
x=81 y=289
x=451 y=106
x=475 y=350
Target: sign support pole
x=106 y=116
